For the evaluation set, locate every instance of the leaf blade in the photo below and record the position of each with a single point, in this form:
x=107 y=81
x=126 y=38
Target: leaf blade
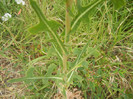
x=50 y=25
x=118 y=3
x=83 y=13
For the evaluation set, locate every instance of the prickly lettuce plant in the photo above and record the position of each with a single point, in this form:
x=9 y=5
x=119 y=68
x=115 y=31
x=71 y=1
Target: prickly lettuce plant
x=64 y=78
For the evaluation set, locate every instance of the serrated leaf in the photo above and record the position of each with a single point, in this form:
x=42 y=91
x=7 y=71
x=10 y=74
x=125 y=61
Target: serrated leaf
x=78 y=77
x=94 y=51
x=118 y=3
x=73 y=76
x=50 y=69
x=80 y=62
x=29 y=74
x=58 y=51
x=77 y=60
x=76 y=51
x=47 y=26
x=80 y=54
x=17 y=80
x=30 y=71
x=83 y=13
x=35 y=60
x=37 y=28
x=33 y=78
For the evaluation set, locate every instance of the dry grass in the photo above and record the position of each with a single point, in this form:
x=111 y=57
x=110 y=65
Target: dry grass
x=8 y=71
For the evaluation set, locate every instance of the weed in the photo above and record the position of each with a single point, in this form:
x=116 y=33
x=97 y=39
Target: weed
x=58 y=62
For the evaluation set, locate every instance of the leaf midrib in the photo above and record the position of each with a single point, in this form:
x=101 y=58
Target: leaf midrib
x=42 y=18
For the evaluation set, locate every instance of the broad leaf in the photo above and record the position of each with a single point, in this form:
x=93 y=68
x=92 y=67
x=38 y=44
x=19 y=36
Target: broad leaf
x=50 y=70
x=80 y=54
x=94 y=53
x=56 y=48
x=83 y=13
x=77 y=60
x=33 y=78
x=17 y=80
x=29 y=74
x=78 y=64
x=118 y=3
x=46 y=26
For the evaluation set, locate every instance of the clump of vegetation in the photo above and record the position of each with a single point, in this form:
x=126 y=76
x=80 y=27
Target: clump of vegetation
x=83 y=53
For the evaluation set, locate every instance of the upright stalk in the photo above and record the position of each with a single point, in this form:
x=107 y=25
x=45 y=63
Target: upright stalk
x=67 y=30
x=67 y=20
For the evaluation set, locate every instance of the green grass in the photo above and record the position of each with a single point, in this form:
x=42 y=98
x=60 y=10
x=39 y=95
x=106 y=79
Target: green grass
x=106 y=72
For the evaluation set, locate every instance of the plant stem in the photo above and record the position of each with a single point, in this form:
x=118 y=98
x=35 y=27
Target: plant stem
x=64 y=63
x=67 y=20
x=67 y=28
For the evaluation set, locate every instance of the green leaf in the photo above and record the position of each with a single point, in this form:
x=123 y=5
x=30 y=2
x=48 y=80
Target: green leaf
x=29 y=74
x=33 y=78
x=30 y=71
x=35 y=60
x=76 y=51
x=37 y=28
x=50 y=69
x=94 y=51
x=77 y=60
x=118 y=3
x=51 y=77
x=17 y=80
x=78 y=63
x=56 y=49
x=80 y=54
x=46 y=26
x=78 y=77
x=83 y=13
